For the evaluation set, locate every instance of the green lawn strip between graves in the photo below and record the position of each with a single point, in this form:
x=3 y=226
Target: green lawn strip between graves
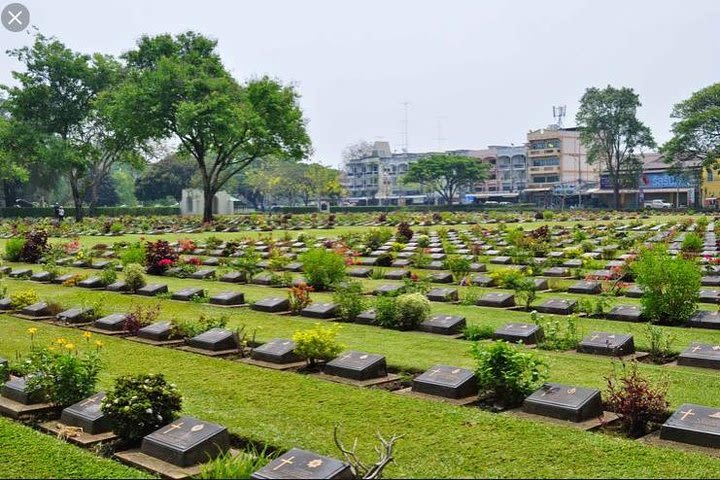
x=289 y=409
x=27 y=453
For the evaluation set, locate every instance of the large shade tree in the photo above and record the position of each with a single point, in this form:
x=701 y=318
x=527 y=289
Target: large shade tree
x=446 y=174
x=696 y=131
x=612 y=133
x=56 y=99
x=177 y=87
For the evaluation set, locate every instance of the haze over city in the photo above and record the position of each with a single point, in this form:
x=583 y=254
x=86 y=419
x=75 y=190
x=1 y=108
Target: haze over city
x=474 y=73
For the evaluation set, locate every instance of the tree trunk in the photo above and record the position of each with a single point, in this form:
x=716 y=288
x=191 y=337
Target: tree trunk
x=208 y=196
x=616 y=194
x=77 y=199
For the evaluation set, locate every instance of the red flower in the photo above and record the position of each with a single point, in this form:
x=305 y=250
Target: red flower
x=165 y=262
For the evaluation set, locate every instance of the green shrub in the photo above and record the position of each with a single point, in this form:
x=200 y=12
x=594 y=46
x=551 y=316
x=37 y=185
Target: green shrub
x=670 y=286
x=478 y=332
x=660 y=343
x=134 y=253
x=507 y=372
x=692 y=243
x=13 y=249
x=386 y=311
x=350 y=301
x=189 y=329
x=412 y=310
x=248 y=263
x=322 y=268
x=459 y=266
x=471 y=295
x=108 y=275
x=557 y=334
x=318 y=344
x=548 y=215
x=134 y=276
x=138 y=405
x=240 y=466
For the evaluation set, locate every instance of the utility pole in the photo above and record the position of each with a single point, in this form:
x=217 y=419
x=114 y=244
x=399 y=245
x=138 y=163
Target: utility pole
x=405 y=147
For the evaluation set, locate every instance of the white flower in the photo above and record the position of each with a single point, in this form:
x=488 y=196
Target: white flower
x=148 y=411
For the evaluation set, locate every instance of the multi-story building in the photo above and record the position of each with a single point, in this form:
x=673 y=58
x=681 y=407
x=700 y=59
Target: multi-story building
x=557 y=164
x=376 y=179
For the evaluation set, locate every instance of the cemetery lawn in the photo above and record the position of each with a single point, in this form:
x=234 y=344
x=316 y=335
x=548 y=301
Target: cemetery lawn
x=289 y=409
x=26 y=453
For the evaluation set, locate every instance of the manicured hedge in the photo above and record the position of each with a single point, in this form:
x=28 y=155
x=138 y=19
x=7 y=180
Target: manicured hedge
x=38 y=212
x=410 y=208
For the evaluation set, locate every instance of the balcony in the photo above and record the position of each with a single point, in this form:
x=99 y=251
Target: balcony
x=552 y=168
x=543 y=152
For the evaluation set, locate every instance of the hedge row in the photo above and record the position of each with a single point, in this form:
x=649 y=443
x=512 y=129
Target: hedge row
x=38 y=212
x=410 y=208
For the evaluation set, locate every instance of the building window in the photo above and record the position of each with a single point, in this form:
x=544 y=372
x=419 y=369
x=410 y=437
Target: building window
x=545 y=162
x=710 y=174
x=543 y=144
x=545 y=178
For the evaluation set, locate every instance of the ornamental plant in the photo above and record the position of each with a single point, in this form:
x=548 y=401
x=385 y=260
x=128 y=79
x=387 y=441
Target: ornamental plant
x=670 y=286
x=411 y=310
x=404 y=233
x=23 y=298
x=64 y=372
x=159 y=256
x=507 y=372
x=349 y=300
x=133 y=253
x=35 y=246
x=323 y=268
x=640 y=404
x=319 y=344
x=140 y=317
x=138 y=405
x=189 y=329
x=13 y=249
x=299 y=297
x=134 y=276
x=459 y=266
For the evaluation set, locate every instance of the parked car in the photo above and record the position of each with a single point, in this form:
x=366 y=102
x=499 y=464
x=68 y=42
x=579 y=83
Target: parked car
x=659 y=204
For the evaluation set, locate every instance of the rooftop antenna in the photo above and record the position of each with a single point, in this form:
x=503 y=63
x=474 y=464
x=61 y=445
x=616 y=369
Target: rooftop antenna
x=559 y=114
x=405 y=105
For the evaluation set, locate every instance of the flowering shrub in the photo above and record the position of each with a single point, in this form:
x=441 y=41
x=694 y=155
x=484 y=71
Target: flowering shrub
x=322 y=268
x=63 y=373
x=159 y=256
x=140 y=404
x=74 y=279
x=638 y=403
x=23 y=298
x=299 y=297
x=318 y=344
x=187 y=245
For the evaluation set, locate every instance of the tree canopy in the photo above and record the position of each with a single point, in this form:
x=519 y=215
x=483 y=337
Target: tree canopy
x=446 y=174
x=696 y=133
x=612 y=133
x=177 y=87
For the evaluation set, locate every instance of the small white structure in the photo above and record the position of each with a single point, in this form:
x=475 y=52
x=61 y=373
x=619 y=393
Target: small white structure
x=193 y=203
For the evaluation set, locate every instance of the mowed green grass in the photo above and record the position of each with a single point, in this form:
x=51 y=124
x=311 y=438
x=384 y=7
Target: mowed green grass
x=288 y=409
x=27 y=453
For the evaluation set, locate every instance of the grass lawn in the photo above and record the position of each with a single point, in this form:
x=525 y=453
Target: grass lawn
x=288 y=409
x=26 y=453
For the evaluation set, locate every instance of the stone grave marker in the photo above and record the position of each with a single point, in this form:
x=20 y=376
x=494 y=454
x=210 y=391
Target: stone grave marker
x=203 y=274
x=359 y=272
x=693 y=424
x=215 y=340
x=497 y=299
x=20 y=272
x=234 y=277
x=443 y=295
x=540 y=283
x=186 y=442
x=573 y=263
x=6 y=304
x=264 y=278
x=16 y=390
x=575 y=404
x=700 y=355
x=556 y=272
x=366 y=318
x=557 y=306
x=483 y=281
x=152 y=290
x=388 y=289
x=626 y=313
x=705 y=319
x=86 y=414
x=62 y=278
x=442 y=277
x=396 y=274
x=228 y=299
x=527 y=333
x=711 y=281
x=634 y=291
x=36 y=310
x=75 y=315
x=118 y=286
x=446 y=381
x=41 y=277
x=604 y=343
x=111 y=323
x=91 y=282
x=158 y=331
x=304 y=464
x=589 y=287
x=443 y=324
x=272 y=305
x=501 y=260
x=357 y=366
x=187 y=294
x=322 y=310
x=709 y=296
x=277 y=350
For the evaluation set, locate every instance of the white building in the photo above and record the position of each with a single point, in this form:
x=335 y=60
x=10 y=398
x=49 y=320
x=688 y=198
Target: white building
x=193 y=202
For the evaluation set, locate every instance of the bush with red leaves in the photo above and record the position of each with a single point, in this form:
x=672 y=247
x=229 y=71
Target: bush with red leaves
x=404 y=232
x=35 y=246
x=159 y=256
x=639 y=403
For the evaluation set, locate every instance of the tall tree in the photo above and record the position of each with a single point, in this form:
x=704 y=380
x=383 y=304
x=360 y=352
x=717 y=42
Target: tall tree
x=612 y=133
x=177 y=87
x=56 y=99
x=696 y=133
x=318 y=181
x=165 y=178
x=446 y=174
x=359 y=149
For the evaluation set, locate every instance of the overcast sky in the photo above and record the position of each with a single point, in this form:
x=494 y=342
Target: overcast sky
x=485 y=71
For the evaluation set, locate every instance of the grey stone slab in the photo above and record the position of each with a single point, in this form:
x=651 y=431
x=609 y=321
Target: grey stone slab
x=575 y=404
x=186 y=442
x=446 y=381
